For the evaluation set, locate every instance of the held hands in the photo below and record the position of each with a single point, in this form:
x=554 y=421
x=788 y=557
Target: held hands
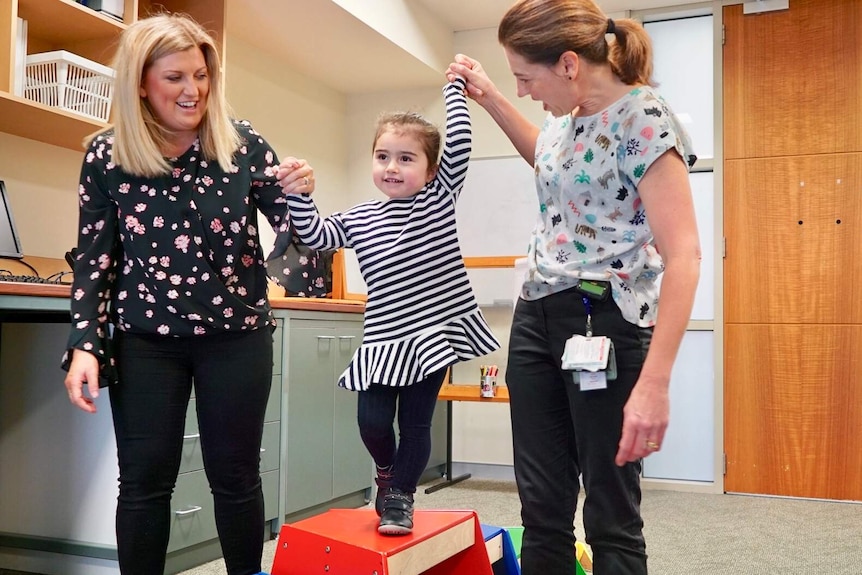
x=84 y=367
x=478 y=83
x=645 y=419
x=295 y=176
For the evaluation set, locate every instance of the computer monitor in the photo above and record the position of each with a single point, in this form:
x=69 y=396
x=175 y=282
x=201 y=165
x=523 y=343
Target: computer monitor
x=10 y=245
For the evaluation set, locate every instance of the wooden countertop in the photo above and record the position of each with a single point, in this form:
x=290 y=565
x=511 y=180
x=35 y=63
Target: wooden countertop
x=456 y=392
x=303 y=303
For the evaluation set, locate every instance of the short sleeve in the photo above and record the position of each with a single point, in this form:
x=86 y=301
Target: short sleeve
x=652 y=130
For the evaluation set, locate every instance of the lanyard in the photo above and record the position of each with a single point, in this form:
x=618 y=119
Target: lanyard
x=588 y=306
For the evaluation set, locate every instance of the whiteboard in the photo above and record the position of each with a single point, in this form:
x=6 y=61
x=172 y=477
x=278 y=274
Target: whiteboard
x=497 y=208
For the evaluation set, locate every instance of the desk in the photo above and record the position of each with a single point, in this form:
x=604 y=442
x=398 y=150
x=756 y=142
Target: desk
x=450 y=392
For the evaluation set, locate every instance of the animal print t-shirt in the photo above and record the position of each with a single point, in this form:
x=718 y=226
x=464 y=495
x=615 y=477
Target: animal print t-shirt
x=591 y=221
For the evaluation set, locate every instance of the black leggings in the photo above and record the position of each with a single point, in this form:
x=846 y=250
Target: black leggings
x=231 y=375
x=416 y=405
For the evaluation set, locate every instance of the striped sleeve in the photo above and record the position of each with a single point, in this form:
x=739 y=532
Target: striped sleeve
x=459 y=138
x=314 y=231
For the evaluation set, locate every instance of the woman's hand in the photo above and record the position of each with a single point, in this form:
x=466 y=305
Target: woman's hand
x=295 y=176
x=478 y=83
x=84 y=368
x=645 y=419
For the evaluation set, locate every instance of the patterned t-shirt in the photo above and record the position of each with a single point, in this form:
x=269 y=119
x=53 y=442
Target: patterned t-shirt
x=177 y=255
x=591 y=221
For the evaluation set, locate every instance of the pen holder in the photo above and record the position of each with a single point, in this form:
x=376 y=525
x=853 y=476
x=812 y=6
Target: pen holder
x=488 y=387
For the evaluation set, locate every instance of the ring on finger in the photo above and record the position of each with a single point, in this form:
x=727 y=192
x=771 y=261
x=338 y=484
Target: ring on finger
x=652 y=445
x=305 y=180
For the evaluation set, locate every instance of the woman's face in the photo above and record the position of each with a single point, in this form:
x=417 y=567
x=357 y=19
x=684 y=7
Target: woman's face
x=546 y=84
x=176 y=87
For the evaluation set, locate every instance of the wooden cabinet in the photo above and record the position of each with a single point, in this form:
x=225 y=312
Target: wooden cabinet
x=67 y=25
x=324 y=458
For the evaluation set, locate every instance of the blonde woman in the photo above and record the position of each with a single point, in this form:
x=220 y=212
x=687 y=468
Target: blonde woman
x=168 y=253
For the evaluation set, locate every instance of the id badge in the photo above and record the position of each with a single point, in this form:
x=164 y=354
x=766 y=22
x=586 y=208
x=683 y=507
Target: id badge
x=592 y=361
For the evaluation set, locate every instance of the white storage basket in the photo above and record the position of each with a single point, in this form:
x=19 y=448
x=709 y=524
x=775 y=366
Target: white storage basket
x=70 y=82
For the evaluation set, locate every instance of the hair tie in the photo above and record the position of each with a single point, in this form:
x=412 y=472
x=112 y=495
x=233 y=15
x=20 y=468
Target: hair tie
x=612 y=28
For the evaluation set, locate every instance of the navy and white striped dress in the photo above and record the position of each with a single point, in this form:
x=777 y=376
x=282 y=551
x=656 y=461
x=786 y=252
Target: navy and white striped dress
x=421 y=314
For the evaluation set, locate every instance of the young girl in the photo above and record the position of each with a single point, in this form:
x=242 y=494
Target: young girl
x=421 y=316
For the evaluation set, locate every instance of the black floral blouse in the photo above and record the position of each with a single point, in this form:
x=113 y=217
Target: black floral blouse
x=178 y=255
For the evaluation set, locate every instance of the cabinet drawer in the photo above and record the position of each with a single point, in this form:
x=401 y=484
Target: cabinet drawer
x=269 y=452
x=269 y=483
x=277 y=340
x=192 y=457
x=192 y=516
x=273 y=404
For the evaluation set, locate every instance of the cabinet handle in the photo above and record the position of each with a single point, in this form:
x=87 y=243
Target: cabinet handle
x=192 y=436
x=346 y=337
x=326 y=337
x=189 y=511
x=263 y=450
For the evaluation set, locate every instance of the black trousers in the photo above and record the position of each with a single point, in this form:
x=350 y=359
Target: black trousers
x=415 y=406
x=232 y=376
x=561 y=433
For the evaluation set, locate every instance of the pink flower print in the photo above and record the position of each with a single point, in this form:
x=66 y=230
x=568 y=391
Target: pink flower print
x=235 y=227
x=122 y=295
x=243 y=150
x=79 y=293
x=140 y=207
x=247 y=261
x=208 y=181
x=176 y=172
x=199 y=330
x=216 y=226
x=135 y=226
x=182 y=243
x=205 y=276
x=165 y=261
x=150 y=298
x=251 y=320
x=318 y=282
x=173 y=294
x=217 y=300
x=195 y=316
x=149 y=313
x=124 y=188
x=228 y=312
x=226 y=271
x=176 y=279
x=160 y=275
x=158 y=222
x=104 y=262
x=164 y=330
x=647 y=133
x=270 y=171
x=303 y=260
x=268 y=156
x=90 y=157
x=187 y=178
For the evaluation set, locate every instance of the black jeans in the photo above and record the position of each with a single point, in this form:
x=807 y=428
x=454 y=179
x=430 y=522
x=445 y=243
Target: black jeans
x=232 y=376
x=560 y=432
x=376 y=415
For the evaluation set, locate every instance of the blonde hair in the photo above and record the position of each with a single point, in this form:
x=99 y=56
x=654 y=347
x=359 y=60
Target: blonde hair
x=541 y=30
x=414 y=124
x=138 y=135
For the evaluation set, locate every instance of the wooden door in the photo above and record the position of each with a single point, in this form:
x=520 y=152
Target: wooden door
x=793 y=266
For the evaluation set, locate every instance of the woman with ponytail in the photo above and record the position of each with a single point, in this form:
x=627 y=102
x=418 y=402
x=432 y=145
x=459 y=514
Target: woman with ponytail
x=616 y=213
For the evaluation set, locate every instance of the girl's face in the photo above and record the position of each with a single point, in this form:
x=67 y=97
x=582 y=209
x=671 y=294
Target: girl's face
x=176 y=87
x=546 y=84
x=400 y=167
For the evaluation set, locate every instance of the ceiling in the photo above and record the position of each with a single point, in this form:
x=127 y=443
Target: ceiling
x=323 y=41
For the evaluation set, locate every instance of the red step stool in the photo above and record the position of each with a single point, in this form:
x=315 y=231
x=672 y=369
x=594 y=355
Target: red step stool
x=346 y=542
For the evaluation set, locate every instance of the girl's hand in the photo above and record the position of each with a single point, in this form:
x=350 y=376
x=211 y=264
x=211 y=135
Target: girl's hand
x=478 y=83
x=295 y=176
